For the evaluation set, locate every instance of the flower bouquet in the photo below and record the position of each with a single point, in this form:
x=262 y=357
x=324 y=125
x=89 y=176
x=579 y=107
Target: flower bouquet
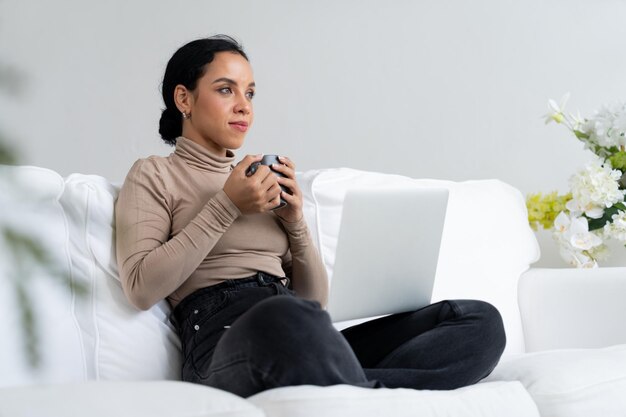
x=594 y=209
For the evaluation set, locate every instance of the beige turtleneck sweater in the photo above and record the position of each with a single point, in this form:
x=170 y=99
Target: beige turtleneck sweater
x=177 y=231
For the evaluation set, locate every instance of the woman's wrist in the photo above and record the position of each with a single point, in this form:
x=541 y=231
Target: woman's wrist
x=290 y=220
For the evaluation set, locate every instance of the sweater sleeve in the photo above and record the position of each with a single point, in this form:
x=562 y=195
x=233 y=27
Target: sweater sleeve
x=151 y=264
x=304 y=265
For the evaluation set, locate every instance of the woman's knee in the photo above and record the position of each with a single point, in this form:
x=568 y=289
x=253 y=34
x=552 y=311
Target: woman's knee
x=285 y=340
x=486 y=318
x=282 y=318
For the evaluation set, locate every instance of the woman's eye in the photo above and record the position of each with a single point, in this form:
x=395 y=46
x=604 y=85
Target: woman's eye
x=250 y=94
x=225 y=90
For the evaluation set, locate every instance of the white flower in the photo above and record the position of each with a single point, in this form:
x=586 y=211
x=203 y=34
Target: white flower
x=617 y=228
x=579 y=235
x=577 y=259
x=607 y=127
x=585 y=240
x=561 y=223
x=577 y=121
x=595 y=188
x=600 y=252
x=577 y=244
x=556 y=112
x=592 y=211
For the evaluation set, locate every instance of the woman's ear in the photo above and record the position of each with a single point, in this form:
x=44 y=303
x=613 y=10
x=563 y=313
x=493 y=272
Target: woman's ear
x=182 y=99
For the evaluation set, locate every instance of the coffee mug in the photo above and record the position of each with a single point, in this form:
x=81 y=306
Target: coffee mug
x=269 y=160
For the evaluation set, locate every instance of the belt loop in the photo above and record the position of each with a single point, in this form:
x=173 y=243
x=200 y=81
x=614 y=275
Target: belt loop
x=260 y=278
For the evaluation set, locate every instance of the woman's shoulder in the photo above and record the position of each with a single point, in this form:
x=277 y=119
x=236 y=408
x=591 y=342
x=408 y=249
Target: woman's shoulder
x=150 y=165
x=152 y=170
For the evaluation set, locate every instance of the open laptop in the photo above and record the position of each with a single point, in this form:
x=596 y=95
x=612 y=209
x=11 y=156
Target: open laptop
x=387 y=251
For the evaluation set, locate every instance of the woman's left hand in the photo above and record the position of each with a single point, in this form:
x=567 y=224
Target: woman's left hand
x=292 y=212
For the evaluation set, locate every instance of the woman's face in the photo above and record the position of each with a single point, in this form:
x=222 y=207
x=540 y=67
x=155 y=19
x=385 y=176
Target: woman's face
x=221 y=105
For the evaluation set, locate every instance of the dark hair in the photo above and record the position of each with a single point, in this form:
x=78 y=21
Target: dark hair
x=185 y=67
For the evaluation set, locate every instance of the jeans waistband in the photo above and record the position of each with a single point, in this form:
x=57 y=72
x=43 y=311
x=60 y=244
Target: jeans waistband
x=260 y=279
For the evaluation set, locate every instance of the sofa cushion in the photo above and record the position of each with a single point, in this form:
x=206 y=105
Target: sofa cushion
x=29 y=200
x=571 y=382
x=123 y=399
x=120 y=341
x=486 y=243
x=495 y=399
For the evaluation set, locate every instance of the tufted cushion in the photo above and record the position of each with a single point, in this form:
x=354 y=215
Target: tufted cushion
x=120 y=341
x=486 y=243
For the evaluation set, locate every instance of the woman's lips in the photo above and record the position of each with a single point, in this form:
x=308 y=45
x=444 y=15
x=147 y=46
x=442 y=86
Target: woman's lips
x=240 y=126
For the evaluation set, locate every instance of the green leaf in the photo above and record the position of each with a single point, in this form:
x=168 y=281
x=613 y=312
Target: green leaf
x=7 y=155
x=618 y=160
x=581 y=135
x=21 y=244
x=607 y=217
x=28 y=254
x=29 y=330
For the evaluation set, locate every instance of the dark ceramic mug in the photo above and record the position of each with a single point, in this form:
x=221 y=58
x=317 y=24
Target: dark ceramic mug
x=269 y=160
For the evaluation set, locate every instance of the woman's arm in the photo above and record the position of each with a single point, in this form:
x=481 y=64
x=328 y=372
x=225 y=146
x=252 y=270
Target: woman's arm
x=304 y=265
x=152 y=265
x=308 y=273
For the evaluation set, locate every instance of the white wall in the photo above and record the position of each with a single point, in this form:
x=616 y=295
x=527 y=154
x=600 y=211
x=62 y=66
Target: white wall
x=442 y=89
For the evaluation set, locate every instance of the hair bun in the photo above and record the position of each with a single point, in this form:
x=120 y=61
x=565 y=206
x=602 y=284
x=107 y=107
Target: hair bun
x=170 y=126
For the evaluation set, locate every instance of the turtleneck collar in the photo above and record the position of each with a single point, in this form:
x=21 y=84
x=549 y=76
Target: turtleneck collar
x=200 y=157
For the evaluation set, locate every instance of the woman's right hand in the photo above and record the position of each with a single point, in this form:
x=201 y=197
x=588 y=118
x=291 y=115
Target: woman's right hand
x=254 y=194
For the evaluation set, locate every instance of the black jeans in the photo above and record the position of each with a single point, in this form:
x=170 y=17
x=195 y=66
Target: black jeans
x=249 y=335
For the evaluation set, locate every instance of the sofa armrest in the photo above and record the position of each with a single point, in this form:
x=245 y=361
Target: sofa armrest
x=572 y=308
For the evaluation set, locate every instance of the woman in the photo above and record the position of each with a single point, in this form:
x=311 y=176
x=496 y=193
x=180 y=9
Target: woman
x=245 y=281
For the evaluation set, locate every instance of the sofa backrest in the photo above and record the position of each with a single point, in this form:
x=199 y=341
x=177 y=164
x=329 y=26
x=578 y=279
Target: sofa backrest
x=486 y=245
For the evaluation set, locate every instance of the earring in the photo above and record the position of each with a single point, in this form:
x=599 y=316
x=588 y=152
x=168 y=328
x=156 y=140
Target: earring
x=185 y=115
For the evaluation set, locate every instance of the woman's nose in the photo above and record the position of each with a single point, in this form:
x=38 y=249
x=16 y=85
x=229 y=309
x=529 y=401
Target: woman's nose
x=243 y=106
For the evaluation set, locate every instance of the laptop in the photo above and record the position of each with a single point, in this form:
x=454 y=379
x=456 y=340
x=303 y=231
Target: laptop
x=387 y=251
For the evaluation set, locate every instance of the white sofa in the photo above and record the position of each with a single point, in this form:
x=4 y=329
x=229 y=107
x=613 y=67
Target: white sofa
x=566 y=351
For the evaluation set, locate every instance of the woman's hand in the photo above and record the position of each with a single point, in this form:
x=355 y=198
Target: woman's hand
x=254 y=194
x=292 y=212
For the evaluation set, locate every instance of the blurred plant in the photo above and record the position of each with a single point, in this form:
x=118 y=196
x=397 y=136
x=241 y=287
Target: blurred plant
x=7 y=157
x=11 y=84
x=28 y=256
